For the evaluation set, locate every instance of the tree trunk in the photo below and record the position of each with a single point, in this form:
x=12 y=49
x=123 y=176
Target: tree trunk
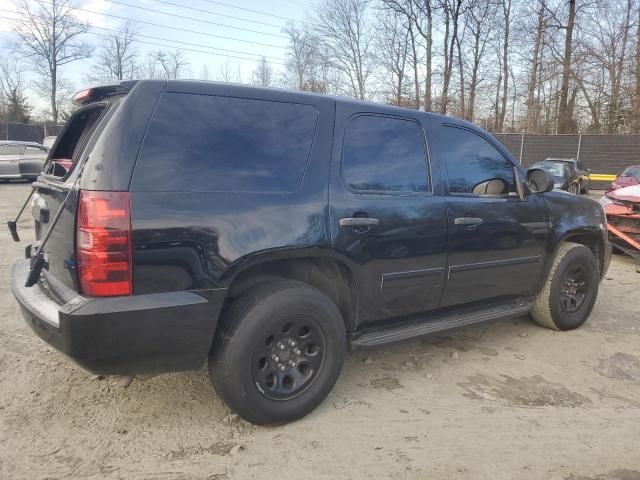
x=533 y=78
x=506 y=9
x=428 y=102
x=461 y=70
x=416 y=79
x=636 y=109
x=564 y=120
x=614 y=101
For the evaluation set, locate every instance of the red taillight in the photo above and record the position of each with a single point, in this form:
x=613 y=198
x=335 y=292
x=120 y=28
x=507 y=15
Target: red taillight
x=103 y=243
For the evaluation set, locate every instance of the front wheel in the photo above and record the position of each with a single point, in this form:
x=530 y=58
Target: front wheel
x=278 y=352
x=570 y=291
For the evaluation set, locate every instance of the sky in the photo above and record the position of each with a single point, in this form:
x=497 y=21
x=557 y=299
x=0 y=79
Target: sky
x=246 y=29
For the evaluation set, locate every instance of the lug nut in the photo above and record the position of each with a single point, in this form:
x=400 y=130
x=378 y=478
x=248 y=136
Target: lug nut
x=292 y=343
x=297 y=351
x=292 y=363
x=282 y=368
x=280 y=346
x=275 y=358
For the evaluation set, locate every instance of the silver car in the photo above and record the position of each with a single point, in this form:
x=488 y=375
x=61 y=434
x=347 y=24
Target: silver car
x=21 y=160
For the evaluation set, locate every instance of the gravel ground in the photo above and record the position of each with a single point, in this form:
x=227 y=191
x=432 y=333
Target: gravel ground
x=504 y=400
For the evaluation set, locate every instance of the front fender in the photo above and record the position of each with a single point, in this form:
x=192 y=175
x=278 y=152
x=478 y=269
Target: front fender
x=579 y=219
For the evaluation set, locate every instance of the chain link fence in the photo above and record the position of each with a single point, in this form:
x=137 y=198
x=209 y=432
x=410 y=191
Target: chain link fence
x=605 y=155
x=28 y=132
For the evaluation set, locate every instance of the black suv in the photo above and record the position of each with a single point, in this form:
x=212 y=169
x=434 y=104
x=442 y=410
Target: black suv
x=268 y=231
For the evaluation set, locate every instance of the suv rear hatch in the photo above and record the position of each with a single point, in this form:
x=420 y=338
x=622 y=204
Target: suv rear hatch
x=60 y=181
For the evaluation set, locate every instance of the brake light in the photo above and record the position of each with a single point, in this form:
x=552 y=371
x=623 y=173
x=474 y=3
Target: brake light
x=103 y=243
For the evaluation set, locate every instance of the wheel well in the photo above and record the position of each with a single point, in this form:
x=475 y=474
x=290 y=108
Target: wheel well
x=592 y=242
x=327 y=275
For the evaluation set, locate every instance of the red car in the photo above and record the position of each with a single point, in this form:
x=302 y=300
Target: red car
x=630 y=176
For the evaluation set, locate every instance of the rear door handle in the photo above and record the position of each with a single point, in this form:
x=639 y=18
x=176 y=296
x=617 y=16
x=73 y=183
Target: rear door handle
x=359 y=222
x=468 y=221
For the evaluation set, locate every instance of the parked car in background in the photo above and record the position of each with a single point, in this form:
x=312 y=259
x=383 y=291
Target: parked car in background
x=578 y=170
x=629 y=177
x=564 y=177
x=21 y=160
x=267 y=231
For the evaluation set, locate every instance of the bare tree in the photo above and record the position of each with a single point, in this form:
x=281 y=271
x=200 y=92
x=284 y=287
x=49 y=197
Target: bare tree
x=532 y=106
x=263 y=74
x=506 y=28
x=564 y=120
x=15 y=107
x=392 y=54
x=451 y=10
x=419 y=14
x=343 y=26
x=50 y=37
x=228 y=73
x=117 y=55
x=173 y=64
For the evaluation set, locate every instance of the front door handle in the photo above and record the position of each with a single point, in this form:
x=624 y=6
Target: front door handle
x=359 y=222
x=468 y=221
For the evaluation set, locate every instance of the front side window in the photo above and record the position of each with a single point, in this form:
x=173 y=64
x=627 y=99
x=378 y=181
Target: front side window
x=384 y=154
x=209 y=143
x=474 y=166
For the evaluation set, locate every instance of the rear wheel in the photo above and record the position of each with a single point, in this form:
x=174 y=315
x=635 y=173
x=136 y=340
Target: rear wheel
x=278 y=352
x=570 y=291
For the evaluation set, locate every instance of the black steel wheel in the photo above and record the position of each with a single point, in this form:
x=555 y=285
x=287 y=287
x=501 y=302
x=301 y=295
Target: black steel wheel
x=287 y=360
x=569 y=293
x=278 y=351
x=574 y=288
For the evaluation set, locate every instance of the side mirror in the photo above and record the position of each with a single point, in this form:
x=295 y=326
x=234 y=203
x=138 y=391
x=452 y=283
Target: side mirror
x=539 y=181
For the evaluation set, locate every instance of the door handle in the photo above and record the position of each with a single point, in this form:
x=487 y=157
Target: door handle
x=468 y=221
x=359 y=222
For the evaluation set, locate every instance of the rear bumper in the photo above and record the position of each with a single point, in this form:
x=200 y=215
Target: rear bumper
x=152 y=333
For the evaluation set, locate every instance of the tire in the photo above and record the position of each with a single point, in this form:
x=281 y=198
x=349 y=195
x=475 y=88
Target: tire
x=574 y=264
x=246 y=361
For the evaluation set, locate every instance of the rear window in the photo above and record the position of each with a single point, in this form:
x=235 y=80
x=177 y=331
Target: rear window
x=210 y=143
x=73 y=139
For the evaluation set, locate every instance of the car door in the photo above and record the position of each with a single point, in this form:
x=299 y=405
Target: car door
x=386 y=222
x=496 y=236
x=10 y=155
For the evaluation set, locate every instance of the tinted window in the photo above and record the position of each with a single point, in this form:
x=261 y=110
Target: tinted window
x=472 y=162
x=384 y=154
x=209 y=143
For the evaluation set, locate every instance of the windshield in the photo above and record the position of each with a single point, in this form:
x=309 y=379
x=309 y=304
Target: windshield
x=631 y=172
x=555 y=169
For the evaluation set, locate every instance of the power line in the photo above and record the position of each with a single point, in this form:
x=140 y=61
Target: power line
x=176 y=28
x=193 y=19
x=257 y=11
x=169 y=46
x=278 y=60
x=189 y=43
x=258 y=22
x=191 y=49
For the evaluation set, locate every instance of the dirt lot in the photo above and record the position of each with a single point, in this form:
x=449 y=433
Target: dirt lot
x=504 y=400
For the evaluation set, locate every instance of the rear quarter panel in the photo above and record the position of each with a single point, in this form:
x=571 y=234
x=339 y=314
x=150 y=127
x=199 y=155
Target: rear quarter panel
x=201 y=240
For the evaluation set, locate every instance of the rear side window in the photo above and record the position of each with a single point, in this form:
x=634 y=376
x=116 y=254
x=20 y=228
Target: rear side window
x=474 y=165
x=11 y=149
x=384 y=154
x=210 y=143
